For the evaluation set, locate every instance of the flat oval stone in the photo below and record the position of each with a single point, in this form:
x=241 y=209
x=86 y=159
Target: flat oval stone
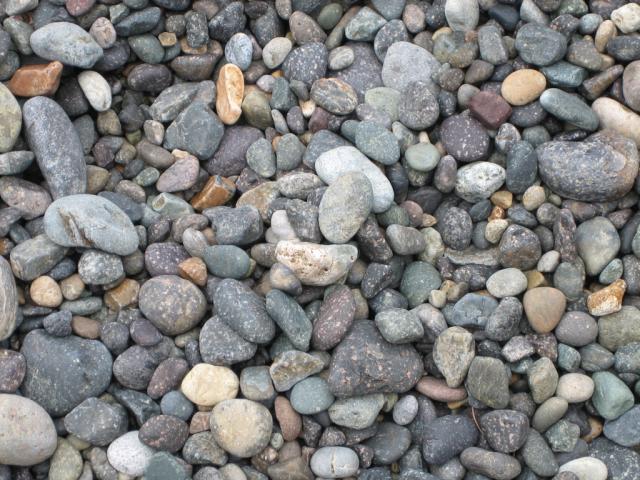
x=96 y=89
x=569 y=108
x=344 y=207
x=465 y=138
x=221 y=345
x=66 y=42
x=174 y=305
x=56 y=145
x=336 y=162
x=128 y=455
x=244 y=311
x=28 y=434
x=406 y=62
x=64 y=371
x=540 y=45
x=90 y=221
x=8 y=300
x=334 y=462
x=588 y=171
x=334 y=95
x=10 y=120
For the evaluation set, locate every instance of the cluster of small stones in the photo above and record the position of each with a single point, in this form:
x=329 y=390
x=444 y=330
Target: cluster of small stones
x=298 y=239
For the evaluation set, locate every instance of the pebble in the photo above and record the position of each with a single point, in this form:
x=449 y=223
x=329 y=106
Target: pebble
x=569 y=109
x=405 y=63
x=8 y=301
x=492 y=464
x=241 y=427
x=586 y=468
x=29 y=435
x=479 y=180
x=544 y=307
x=96 y=422
x=66 y=42
x=506 y=430
x=523 y=86
x=208 y=385
x=615 y=116
x=611 y=397
x=465 y=139
x=334 y=462
x=128 y=455
x=453 y=353
x=314 y=264
x=447 y=436
x=488 y=382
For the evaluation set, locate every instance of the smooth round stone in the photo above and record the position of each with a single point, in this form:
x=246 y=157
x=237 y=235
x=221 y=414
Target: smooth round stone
x=64 y=371
x=336 y=162
x=227 y=261
x=96 y=90
x=615 y=116
x=621 y=462
x=182 y=175
x=445 y=437
x=306 y=63
x=128 y=455
x=618 y=329
x=344 y=207
x=590 y=171
x=611 y=397
x=239 y=50
x=462 y=15
x=290 y=317
x=334 y=95
x=389 y=443
x=99 y=268
x=241 y=427
x=243 y=311
x=586 y=468
x=523 y=86
x=174 y=305
x=196 y=130
x=405 y=410
x=418 y=280
x=488 y=382
x=334 y=462
x=577 y=329
x=627 y=18
x=575 y=387
x=548 y=413
x=341 y=57
x=377 y=143
x=90 y=221
x=491 y=464
x=311 y=396
x=624 y=429
x=57 y=147
x=66 y=42
x=207 y=385
x=399 y=326
x=509 y=282
x=544 y=307
x=418 y=108
x=569 y=108
x=631 y=85
x=274 y=52
x=422 y=157
x=406 y=62
x=96 y=422
x=505 y=430
x=11 y=120
x=164 y=432
x=28 y=434
x=261 y=158
x=465 y=138
x=540 y=45
x=219 y=344
x=479 y=180
x=357 y=412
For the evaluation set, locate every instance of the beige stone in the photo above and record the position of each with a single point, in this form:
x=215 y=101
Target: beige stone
x=44 y=291
x=207 y=385
x=544 y=307
x=523 y=86
x=615 y=116
x=606 y=31
x=123 y=295
x=194 y=269
x=608 y=300
x=575 y=387
x=72 y=287
x=230 y=91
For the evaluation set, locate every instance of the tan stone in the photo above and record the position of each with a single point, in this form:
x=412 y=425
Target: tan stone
x=167 y=39
x=123 y=295
x=72 y=287
x=195 y=270
x=44 y=291
x=230 y=91
x=189 y=50
x=35 y=80
x=290 y=421
x=437 y=389
x=502 y=199
x=533 y=197
x=606 y=31
x=535 y=279
x=608 y=300
x=595 y=431
x=544 y=307
x=217 y=191
x=208 y=385
x=497 y=213
x=523 y=86
x=85 y=327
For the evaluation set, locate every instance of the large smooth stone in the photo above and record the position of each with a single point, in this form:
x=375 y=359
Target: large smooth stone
x=617 y=117
x=28 y=435
x=92 y=222
x=599 y=169
x=335 y=163
x=66 y=42
x=56 y=144
x=64 y=371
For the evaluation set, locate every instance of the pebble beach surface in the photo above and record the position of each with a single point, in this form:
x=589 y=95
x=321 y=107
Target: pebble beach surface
x=318 y=239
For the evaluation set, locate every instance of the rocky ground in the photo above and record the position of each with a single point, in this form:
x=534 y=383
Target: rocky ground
x=301 y=239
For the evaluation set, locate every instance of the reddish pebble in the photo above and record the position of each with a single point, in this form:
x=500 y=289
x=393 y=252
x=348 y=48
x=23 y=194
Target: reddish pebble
x=491 y=109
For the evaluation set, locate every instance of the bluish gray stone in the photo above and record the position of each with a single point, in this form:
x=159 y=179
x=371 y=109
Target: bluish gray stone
x=196 y=130
x=290 y=317
x=66 y=42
